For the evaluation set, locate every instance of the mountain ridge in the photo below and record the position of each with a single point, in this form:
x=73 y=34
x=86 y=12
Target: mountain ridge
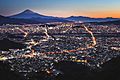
x=29 y=14
x=31 y=17
x=89 y=19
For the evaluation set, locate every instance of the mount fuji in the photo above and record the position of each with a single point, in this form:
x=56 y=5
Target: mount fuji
x=29 y=14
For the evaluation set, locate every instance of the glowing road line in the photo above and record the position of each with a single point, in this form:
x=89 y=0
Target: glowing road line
x=75 y=50
x=93 y=38
x=68 y=28
x=46 y=33
x=115 y=48
x=3 y=58
x=26 y=34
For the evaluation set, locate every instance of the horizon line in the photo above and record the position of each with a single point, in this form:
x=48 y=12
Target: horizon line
x=54 y=15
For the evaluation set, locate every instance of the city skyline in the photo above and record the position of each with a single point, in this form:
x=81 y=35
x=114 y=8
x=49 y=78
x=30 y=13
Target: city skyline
x=63 y=8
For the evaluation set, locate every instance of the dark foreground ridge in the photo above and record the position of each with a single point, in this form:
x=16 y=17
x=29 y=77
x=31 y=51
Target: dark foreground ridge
x=7 y=74
x=71 y=71
x=6 y=44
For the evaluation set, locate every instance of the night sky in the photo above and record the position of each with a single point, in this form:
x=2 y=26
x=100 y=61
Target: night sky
x=63 y=8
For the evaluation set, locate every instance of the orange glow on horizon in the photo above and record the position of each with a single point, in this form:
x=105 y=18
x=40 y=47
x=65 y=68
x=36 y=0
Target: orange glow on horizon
x=98 y=14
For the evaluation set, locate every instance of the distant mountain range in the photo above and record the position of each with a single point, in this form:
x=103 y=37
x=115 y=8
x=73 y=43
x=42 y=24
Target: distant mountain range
x=89 y=19
x=107 y=23
x=31 y=17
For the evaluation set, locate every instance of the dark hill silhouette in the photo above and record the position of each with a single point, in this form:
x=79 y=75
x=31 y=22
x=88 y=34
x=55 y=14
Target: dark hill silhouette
x=110 y=70
x=6 y=44
x=73 y=71
x=7 y=74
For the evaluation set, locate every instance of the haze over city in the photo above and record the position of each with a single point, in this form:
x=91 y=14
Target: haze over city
x=63 y=8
